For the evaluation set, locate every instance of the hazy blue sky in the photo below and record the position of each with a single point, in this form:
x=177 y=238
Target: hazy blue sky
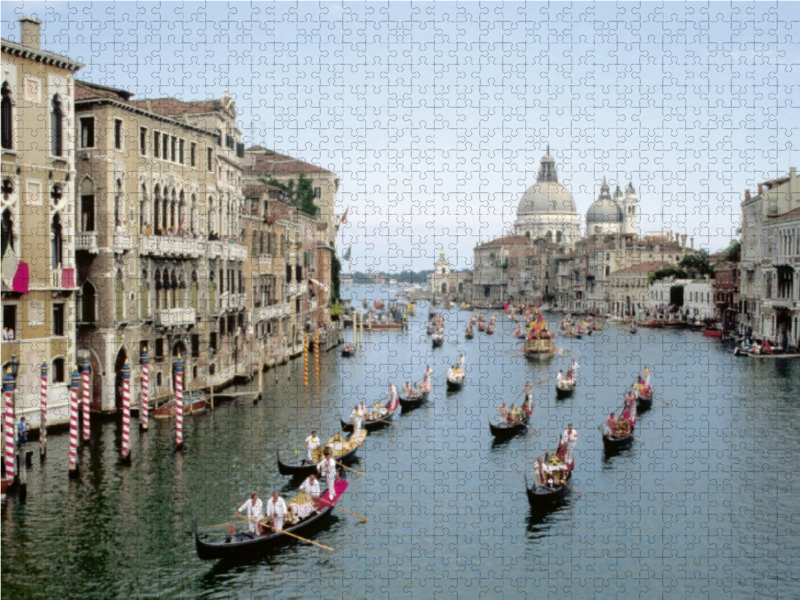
x=436 y=116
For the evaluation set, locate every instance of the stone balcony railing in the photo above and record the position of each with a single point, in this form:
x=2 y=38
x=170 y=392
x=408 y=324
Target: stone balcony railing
x=231 y=302
x=172 y=317
x=176 y=247
x=265 y=263
x=87 y=241
x=269 y=313
x=122 y=242
x=227 y=251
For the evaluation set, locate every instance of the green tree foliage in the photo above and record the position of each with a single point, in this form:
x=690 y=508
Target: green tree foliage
x=654 y=276
x=301 y=197
x=733 y=253
x=697 y=264
x=336 y=279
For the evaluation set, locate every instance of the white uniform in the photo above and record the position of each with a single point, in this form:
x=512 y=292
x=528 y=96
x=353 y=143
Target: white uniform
x=327 y=469
x=546 y=471
x=277 y=510
x=559 y=377
x=312 y=489
x=253 y=511
x=358 y=420
x=570 y=438
x=311 y=444
x=462 y=361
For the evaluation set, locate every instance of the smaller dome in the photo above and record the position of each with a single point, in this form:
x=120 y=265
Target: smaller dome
x=604 y=211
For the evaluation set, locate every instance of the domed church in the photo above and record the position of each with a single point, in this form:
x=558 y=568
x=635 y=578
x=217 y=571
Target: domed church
x=613 y=215
x=546 y=209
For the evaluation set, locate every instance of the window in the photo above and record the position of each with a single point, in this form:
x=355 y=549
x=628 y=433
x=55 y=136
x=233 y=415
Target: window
x=58 y=319
x=195 y=346
x=298 y=273
x=143 y=141
x=10 y=322
x=159 y=348
x=212 y=340
x=228 y=141
x=156 y=144
x=317 y=192
x=58 y=371
x=173 y=154
x=56 y=242
x=164 y=145
x=222 y=325
x=193 y=154
x=240 y=150
x=209 y=159
x=118 y=134
x=57 y=127
x=181 y=148
x=7 y=121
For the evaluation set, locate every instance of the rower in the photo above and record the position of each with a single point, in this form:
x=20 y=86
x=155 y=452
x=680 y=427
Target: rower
x=504 y=412
x=451 y=373
x=407 y=389
x=528 y=392
x=527 y=407
x=569 y=439
x=574 y=368
x=253 y=508
x=611 y=425
x=312 y=443
x=646 y=375
x=394 y=398
x=560 y=377
x=630 y=408
x=462 y=361
x=327 y=469
x=357 y=420
x=276 y=510
x=310 y=486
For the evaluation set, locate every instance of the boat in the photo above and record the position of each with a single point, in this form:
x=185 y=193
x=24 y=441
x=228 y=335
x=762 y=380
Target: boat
x=430 y=329
x=456 y=381
x=343 y=450
x=437 y=339
x=481 y=326
x=466 y=306
x=469 y=333
x=193 y=403
x=543 y=497
x=504 y=430
x=519 y=333
x=490 y=329
x=348 y=351
x=612 y=443
x=743 y=353
x=373 y=419
x=644 y=394
x=565 y=387
x=634 y=329
x=712 y=333
x=411 y=309
x=652 y=323
x=413 y=401
x=243 y=545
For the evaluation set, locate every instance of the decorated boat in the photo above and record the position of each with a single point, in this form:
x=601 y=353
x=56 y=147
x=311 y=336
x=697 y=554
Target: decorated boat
x=490 y=329
x=455 y=379
x=243 y=545
x=342 y=450
x=544 y=496
x=376 y=417
x=431 y=328
x=644 y=394
x=516 y=423
x=437 y=339
x=414 y=400
x=538 y=341
x=348 y=351
x=565 y=387
x=193 y=403
x=469 y=333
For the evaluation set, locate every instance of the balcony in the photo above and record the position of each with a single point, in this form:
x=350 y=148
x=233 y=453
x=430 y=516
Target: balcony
x=229 y=302
x=175 y=317
x=86 y=241
x=172 y=247
x=63 y=278
x=265 y=263
x=313 y=305
x=786 y=303
x=227 y=251
x=122 y=242
x=269 y=313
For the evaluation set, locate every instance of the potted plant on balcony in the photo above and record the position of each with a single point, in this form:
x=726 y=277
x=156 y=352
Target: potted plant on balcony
x=269 y=220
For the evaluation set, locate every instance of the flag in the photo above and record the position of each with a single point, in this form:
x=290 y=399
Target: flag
x=343 y=220
x=346 y=255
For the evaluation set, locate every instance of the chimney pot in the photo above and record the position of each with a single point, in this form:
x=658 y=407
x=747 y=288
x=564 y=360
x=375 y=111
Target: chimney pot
x=747 y=194
x=760 y=188
x=30 y=32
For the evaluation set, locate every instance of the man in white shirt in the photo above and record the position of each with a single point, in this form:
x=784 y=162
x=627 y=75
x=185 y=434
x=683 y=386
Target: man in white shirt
x=569 y=440
x=310 y=486
x=276 y=510
x=253 y=509
x=462 y=361
x=327 y=469
x=559 y=377
x=312 y=443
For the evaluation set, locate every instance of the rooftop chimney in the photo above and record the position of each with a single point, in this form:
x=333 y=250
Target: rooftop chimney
x=760 y=188
x=747 y=193
x=30 y=32
x=691 y=242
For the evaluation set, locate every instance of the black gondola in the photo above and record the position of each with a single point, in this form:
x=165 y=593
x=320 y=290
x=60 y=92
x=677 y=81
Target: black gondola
x=437 y=340
x=469 y=334
x=371 y=425
x=542 y=497
x=244 y=545
x=414 y=402
x=304 y=468
x=564 y=392
x=454 y=386
x=504 y=431
x=613 y=443
x=347 y=353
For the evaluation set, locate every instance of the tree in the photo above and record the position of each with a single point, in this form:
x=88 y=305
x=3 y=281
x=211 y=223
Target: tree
x=697 y=264
x=733 y=253
x=336 y=281
x=301 y=198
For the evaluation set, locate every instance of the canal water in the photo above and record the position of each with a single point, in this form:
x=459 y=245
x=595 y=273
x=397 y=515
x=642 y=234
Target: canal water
x=702 y=505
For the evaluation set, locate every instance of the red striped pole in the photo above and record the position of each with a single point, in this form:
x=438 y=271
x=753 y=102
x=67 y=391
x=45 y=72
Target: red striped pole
x=305 y=359
x=144 y=409
x=85 y=369
x=8 y=393
x=316 y=354
x=43 y=425
x=179 y=403
x=126 y=412
x=73 y=425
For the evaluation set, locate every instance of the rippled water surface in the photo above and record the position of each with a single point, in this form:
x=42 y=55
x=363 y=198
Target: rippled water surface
x=702 y=504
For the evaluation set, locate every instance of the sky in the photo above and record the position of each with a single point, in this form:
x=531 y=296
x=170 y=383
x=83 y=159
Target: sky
x=435 y=117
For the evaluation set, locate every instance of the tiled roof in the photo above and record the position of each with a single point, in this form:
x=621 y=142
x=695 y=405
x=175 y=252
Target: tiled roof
x=86 y=90
x=268 y=162
x=507 y=240
x=644 y=268
x=173 y=106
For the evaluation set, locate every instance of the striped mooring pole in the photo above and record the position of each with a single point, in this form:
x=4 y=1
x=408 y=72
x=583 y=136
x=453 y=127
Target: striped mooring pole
x=125 y=454
x=179 y=403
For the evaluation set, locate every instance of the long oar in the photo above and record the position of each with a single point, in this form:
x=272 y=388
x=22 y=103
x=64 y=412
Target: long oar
x=536 y=431
x=349 y=512
x=294 y=535
x=228 y=524
x=566 y=485
x=348 y=468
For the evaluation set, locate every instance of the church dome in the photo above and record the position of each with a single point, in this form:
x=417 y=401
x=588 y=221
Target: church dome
x=546 y=196
x=604 y=210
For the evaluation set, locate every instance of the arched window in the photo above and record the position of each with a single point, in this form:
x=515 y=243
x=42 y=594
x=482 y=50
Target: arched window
x=88 y=303
x=559 y=237
x=143 y=222
x=528 y=234
x=87 y=205
x=158 y=289
x=7 y=118
x=57 y=127
x=56 y=242
x=119 y=297
x=194 y=291
x=212 y=295
x=181 y=211
x=608 y=271
x=193 y=210
x=144 y=297
x=8 y=230
x=173 y=286
x=59 y=374
x=549 y=237
x=119 y=206
x=172 y=209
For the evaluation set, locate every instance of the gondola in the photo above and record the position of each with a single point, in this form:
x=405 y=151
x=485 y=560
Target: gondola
x=348 y=351
x=437 y=340
x=614 y=443
x=304 y=468
x=469 y=334
x=243 y=545
x=563 y=389
x=456 y=384
x=504 y=431
x=644 y=398
x=413 y=402
x=371 y=424
x=543 y=497
x=634 y=329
